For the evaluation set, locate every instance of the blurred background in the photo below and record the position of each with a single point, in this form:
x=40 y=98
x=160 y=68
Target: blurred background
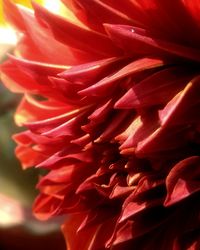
x=19 y=230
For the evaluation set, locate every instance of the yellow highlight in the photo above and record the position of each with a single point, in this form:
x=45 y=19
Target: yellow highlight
x=55 y=6
x=26 y=3
x=58 y=7
x=11 y=212
x=8 y=36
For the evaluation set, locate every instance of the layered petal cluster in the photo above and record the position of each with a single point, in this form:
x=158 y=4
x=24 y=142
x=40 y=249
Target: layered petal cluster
x=111 y=103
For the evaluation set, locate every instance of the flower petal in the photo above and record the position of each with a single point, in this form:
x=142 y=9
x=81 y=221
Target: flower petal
x=132 y=68
x=183 y=180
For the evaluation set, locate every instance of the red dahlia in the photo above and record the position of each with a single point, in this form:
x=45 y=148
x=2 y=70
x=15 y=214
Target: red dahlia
x=111 y=105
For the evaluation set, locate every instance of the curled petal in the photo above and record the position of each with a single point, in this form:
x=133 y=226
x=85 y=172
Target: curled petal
x=183 y=180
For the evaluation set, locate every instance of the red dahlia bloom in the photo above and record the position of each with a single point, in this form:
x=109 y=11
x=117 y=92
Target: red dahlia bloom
x=111 y=106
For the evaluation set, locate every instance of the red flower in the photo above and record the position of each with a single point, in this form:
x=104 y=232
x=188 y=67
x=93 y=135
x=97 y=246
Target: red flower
x=111 y=106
